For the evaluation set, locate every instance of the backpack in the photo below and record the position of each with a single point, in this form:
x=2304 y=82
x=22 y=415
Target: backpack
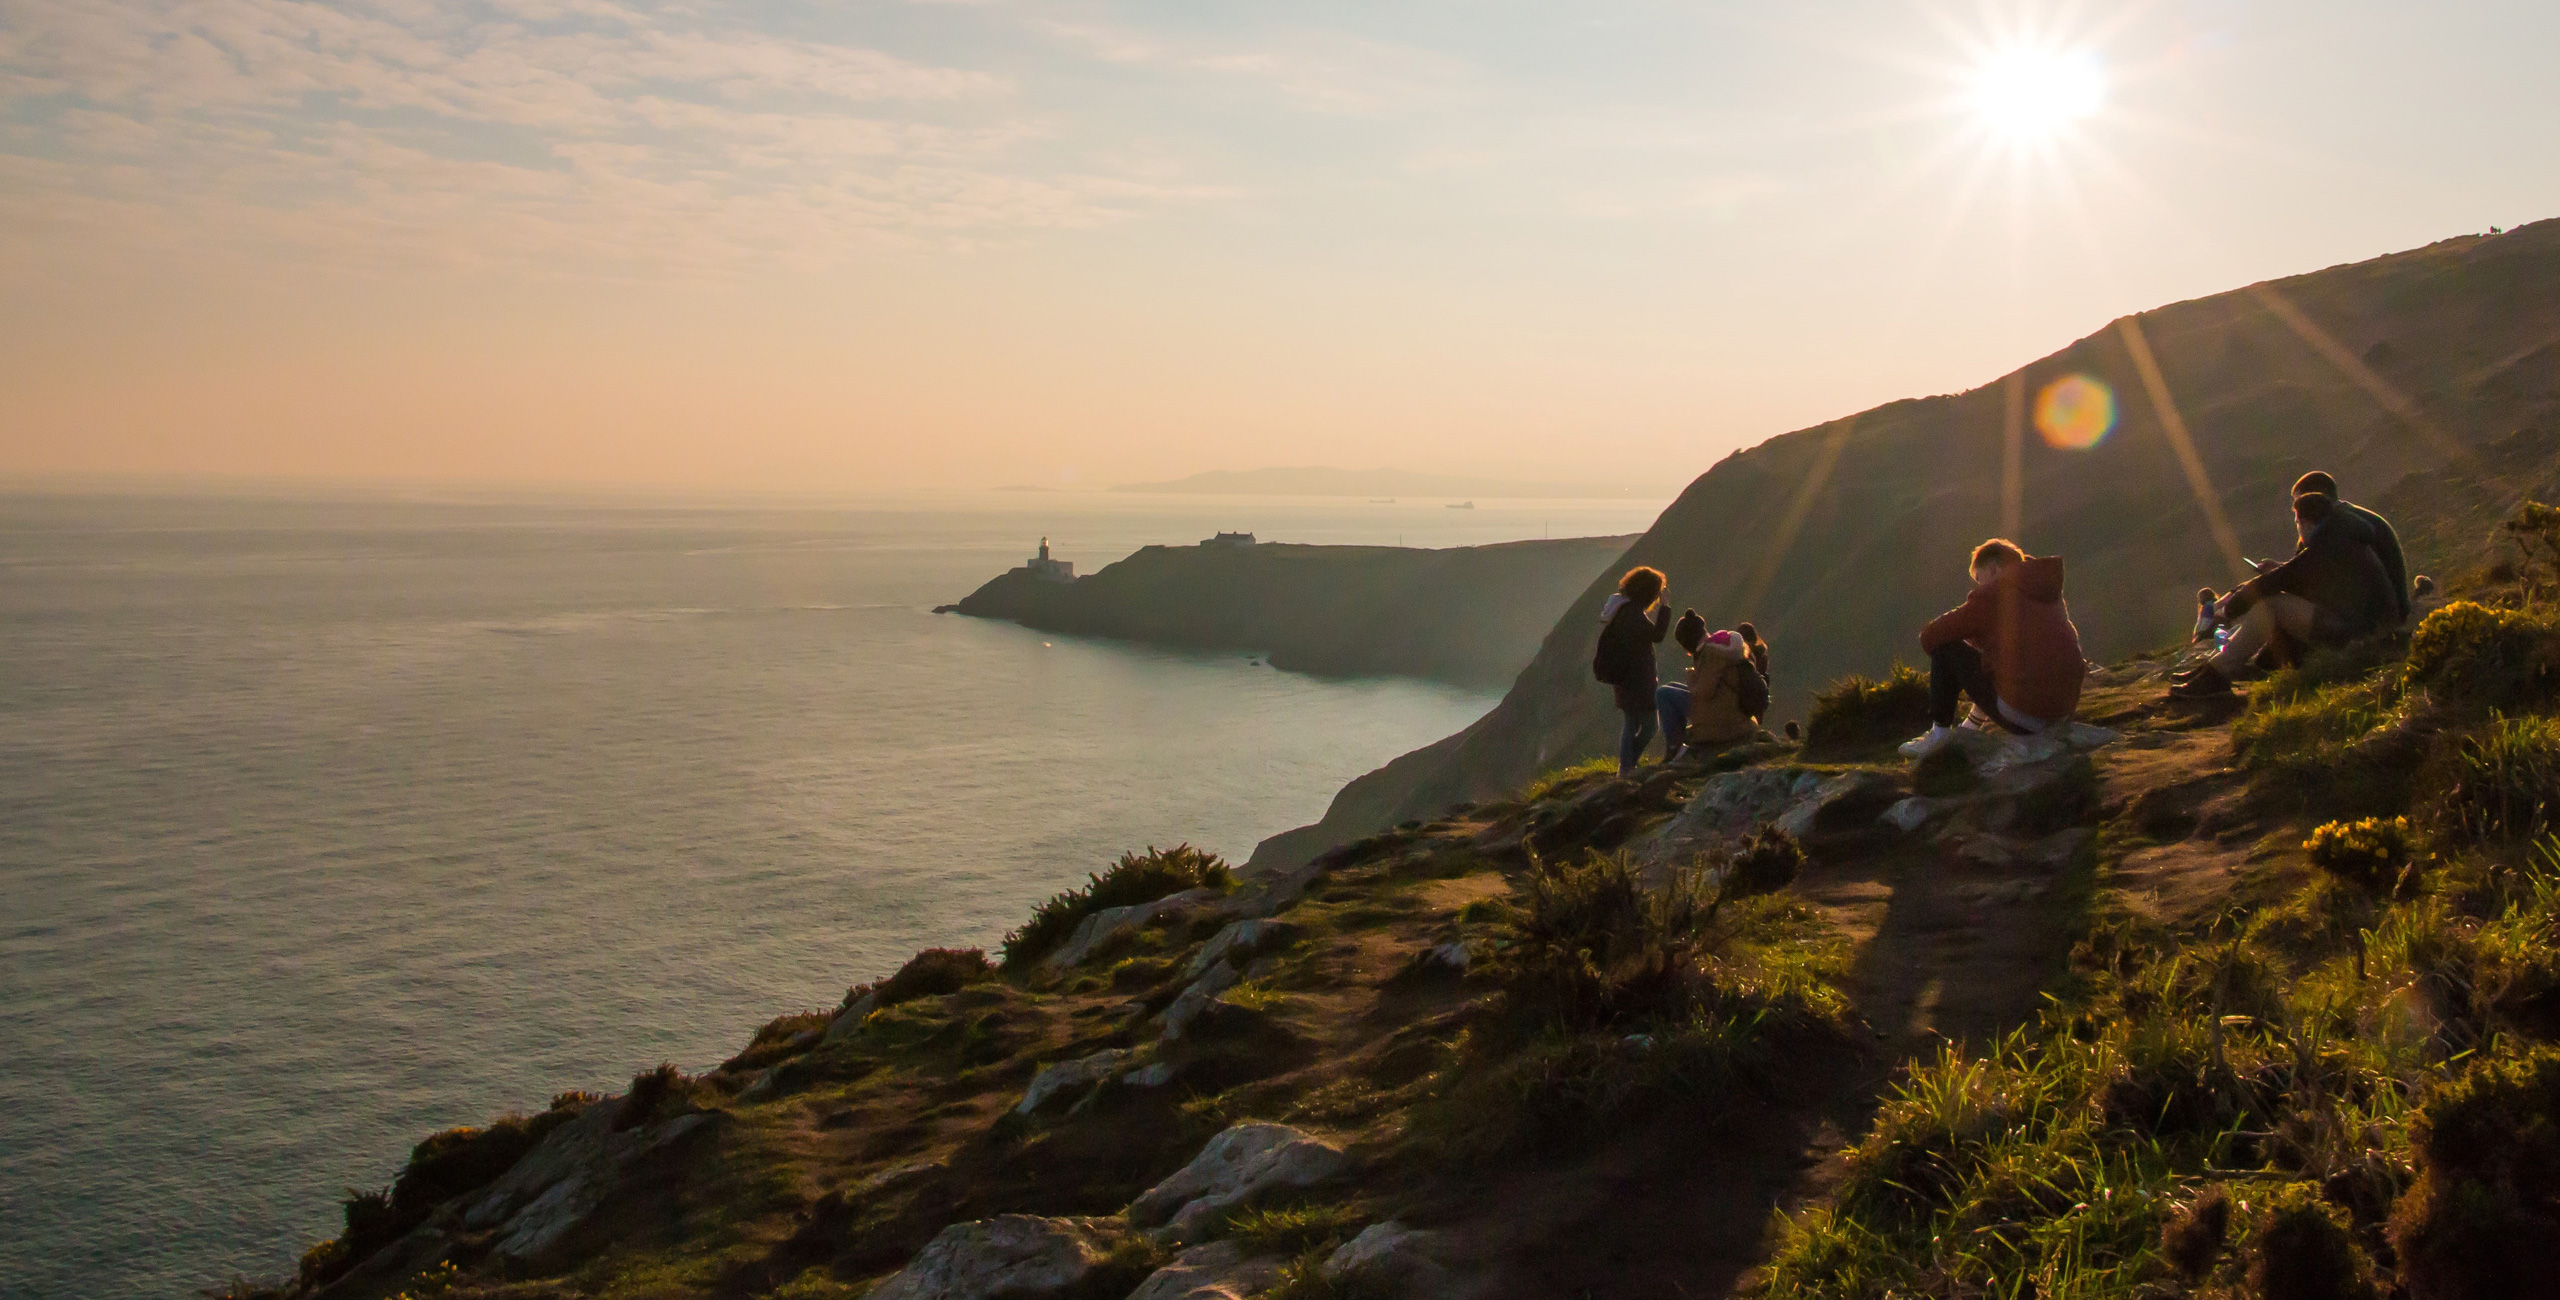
x=1752 y=690
x=1604 y=665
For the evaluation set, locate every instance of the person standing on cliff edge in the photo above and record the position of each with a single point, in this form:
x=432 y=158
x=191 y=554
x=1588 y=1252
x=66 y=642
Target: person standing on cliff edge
x=1632 y=623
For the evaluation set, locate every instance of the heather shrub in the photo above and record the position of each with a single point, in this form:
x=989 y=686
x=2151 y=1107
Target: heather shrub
x=460 y=1160
x=2193 y=1237
x=932 y=973
x=1762 y=864
x=2302 y=1249
x=2369 y=854
x=1857 y=713
x=651 y=1092
x=1135 y=878
x=2483 y=1218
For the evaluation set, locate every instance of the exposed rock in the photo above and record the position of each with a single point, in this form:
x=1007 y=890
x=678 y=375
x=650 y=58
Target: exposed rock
x=1076 y=1075
x=1246 y=1161
x=1821 y=804
x=1457 y=954
x=1239 y=942
x=535 y=1205
x=1110 y=922
x=1195 y=999
x=1392 y=1257
x=1015 y=1256
x=1151 y=1076
x=1217 y=1271
x=848 y=1022
x=1728 y=806
x=1911 y=814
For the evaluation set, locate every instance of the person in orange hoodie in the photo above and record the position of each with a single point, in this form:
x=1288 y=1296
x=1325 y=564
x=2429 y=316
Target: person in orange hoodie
x=2010 y=646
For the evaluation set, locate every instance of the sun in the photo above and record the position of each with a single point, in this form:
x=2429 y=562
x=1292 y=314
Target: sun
x=2029 y=95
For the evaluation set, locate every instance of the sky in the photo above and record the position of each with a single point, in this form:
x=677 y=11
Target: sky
x=847 y=247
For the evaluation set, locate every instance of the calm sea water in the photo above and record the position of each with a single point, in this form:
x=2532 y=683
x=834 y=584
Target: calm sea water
x=327 y=824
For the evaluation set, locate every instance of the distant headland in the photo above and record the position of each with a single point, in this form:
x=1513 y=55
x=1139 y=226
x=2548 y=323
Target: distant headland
x=1321 y=481
x=1470 y=616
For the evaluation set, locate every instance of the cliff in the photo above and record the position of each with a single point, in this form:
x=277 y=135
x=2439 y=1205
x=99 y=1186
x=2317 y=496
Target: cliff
x=2410 y=377
x=2123 y=1011
x=1469 y=616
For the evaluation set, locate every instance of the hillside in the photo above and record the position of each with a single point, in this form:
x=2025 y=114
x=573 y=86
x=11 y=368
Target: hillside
x=2122 y=1013
x=2428 y=382
x=1470 y=616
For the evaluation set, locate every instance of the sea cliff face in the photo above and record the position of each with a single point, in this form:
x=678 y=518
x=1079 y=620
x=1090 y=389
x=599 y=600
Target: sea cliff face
x=2427 y=382
x=1469 y=616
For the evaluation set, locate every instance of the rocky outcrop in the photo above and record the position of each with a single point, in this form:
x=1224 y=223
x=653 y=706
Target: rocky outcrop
x=1111 y=922
x=1240 y=942
x=1195 y=999
x=1077 y=1076
x=532 y=1210
x=1218 y=1271
x=1392 y=1258
x=1237 y=1166
x=1008 y=1257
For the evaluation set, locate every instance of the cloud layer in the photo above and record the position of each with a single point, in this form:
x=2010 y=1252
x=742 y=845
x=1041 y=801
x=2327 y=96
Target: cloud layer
x=552 y=132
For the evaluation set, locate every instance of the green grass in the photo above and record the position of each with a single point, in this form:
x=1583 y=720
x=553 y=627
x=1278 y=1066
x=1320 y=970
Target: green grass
x=1561 y=777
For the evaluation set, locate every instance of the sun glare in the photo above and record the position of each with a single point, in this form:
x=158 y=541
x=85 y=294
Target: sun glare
x=2031 y=95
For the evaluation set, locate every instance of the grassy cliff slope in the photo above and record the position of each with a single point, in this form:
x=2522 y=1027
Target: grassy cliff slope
x=1840 y=540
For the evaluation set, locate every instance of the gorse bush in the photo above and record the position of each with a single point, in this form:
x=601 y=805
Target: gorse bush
x=1135 y=878
x=2472 y=654
x=1856 y=713
x=2369 y=854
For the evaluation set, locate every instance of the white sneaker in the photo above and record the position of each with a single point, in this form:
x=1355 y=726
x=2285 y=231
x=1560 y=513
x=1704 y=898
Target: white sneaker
x=1974 y=721
x=1922 y=746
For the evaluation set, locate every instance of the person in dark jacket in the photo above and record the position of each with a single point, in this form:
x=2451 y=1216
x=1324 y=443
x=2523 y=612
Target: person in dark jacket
x=2386 y=540
x=2011 y=646
x=1631 y=625
x=2332 y=591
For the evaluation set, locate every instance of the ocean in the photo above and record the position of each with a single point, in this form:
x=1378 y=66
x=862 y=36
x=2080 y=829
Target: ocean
x=328 y=823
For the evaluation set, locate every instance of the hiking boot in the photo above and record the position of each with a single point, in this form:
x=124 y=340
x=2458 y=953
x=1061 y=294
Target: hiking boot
x=1927 y=743
x=2206 y=683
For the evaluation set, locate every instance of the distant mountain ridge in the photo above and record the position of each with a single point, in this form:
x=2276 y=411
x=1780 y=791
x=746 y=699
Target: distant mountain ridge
x=2427 y=381
x=1323 y=481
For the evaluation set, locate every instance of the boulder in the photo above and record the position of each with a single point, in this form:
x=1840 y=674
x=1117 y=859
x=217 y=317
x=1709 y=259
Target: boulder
x=1457 y=954
x=1072 y=1076
x=1239 y=942
x=1015 y=1256
x=1193 y=1000
x=1111 y=922
x=1246 y=1161
x=1390 y=1257
x=1728 y=806
x=1217 y=1271
x=1151 y=1076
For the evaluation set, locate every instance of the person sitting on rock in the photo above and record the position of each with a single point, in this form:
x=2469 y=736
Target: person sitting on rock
x=1671 y=699
x=2011 y=646
x=2332 y=591
x=1722 y=708
x=2385 y=543
x=1631 y=625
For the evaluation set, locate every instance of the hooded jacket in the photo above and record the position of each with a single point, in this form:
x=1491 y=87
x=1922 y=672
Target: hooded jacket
x=2023 y=628
x=1625 y=657
x=1715 y=692
x=2336 y=569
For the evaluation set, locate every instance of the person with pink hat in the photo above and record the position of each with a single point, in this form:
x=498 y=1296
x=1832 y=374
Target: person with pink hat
x=1714 y=705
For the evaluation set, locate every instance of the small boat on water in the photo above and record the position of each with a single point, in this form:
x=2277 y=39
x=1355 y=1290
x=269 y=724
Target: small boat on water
x=1462 y=505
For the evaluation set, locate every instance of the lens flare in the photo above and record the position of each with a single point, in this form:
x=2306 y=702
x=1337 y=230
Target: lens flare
x=2075 y=412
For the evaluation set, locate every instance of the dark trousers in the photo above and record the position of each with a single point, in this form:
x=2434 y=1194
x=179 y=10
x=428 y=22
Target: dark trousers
x=1957 y=670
